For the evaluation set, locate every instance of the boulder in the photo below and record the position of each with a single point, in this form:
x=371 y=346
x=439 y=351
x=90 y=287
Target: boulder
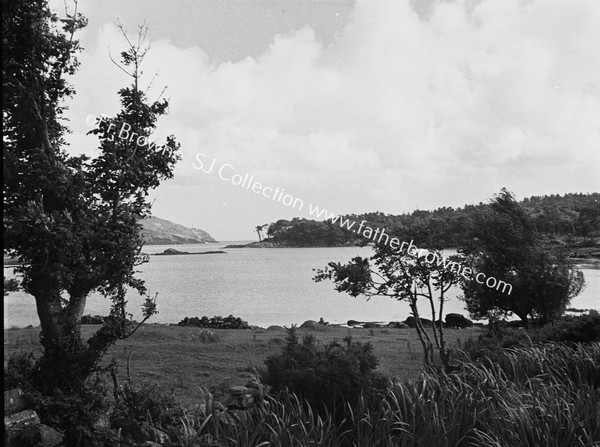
x=309 y=324
x=457 y=321
x=411 y=322
x=355 y=323
x=371 y=325
x=398 y=325
x=238 y=390
x=14 y=401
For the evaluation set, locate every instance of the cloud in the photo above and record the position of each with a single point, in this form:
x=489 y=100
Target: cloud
x=399 y=111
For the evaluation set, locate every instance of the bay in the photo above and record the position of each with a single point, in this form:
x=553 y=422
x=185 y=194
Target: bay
x=262 y=286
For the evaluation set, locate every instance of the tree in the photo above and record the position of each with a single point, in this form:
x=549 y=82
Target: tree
x=507 y=247
x=402 y=275
x=73 y=222
x=259 y=229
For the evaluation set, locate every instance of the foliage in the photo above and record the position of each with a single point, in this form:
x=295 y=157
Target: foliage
x=573 y=329
x=402 y=275
x=507 y=247
x=11 y=285
x=148 y=403
x=73 y=222
x=325 y=377
x=571 y=215
x=547 y=395
x=216 y=322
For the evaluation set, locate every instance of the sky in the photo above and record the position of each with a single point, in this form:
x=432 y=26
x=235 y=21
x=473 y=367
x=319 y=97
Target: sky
x=353 y=106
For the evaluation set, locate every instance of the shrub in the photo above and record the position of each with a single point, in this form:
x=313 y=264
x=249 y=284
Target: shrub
x=216 y=322
x=147 y=402
x=576 y=329
x=325 y=377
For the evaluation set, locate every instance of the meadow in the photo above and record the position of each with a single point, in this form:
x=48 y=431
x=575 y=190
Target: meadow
x=185 y=359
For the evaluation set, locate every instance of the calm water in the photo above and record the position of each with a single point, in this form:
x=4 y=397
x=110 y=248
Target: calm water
x=262 y=286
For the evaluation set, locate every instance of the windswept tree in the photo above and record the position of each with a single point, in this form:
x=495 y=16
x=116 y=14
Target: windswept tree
x=404 y=275
x=506 y=246
x=73 y=222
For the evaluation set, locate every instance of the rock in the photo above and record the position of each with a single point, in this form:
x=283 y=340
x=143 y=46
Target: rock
x=355 y=323
x=49 y=436
x=237 y=390
x=371 y=325
x=275 y=328
x=458 y=321
x=33 y=435
x=22 y=418
x=252 y=383
x=411 y=322
x=14 y=401
x=398 y=325
x=309 y=324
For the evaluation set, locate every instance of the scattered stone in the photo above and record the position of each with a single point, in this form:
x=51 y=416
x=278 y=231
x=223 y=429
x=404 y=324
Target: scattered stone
x=237 y=390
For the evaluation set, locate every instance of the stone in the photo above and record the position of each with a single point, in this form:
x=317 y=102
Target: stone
x=237 y=390
x=371 y=325
x=354 y=323
x=14 y=401
x=252 y=383
x=457 y=321
x=309 y=324
x=411 y=322
x=22 y=418
x=398 y=325
x=50 y=436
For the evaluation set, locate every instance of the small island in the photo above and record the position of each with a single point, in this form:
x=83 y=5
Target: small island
x=172 y=252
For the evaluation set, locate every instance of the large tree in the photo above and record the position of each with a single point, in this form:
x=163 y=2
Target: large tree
x=73 y=222
x=506 y=246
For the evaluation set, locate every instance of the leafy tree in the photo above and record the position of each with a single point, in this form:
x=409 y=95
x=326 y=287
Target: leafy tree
x=404 y=276
x=73 y=222
x=507 y=247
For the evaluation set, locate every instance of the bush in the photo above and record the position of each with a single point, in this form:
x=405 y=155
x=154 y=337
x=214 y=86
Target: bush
x=147 y=402
x=325 y=377
x=579 y=329
x=216 y=322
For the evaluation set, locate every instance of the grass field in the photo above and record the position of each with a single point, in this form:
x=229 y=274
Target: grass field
x=184 y=359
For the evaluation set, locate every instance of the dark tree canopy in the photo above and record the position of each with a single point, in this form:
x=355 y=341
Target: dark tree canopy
x=73 y=222
x=506 y=246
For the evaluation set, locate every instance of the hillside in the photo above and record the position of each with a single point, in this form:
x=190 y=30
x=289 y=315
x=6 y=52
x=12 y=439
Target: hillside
x=162 y=232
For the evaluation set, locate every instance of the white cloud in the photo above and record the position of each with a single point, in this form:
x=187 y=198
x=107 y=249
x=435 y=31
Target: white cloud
x=397 y=112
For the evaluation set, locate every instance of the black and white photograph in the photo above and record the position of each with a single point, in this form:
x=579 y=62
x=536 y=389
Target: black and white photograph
x=294 y=223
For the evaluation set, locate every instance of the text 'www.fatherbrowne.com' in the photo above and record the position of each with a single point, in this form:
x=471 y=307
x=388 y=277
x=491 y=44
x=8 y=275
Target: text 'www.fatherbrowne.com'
x=226 y=172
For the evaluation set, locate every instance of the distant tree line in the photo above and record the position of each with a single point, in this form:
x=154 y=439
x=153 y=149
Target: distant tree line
x=571 y=215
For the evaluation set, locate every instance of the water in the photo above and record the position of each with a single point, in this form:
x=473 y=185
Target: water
x=262 y=286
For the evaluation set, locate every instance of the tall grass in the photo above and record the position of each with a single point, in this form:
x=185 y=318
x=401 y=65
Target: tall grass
x=535 y=396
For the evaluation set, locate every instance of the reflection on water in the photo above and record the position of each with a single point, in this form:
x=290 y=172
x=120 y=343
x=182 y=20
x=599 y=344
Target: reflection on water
x=262 y=286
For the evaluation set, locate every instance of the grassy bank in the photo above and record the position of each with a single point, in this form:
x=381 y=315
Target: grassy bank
x=186 y=358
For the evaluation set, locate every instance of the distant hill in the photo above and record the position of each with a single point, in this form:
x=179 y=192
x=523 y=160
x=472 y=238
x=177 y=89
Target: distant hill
x=162 y=232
